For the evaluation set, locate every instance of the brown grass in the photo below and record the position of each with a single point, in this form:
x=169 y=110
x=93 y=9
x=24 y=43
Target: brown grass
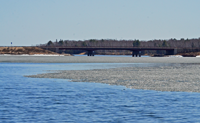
x=191 y=54
x=24 y=50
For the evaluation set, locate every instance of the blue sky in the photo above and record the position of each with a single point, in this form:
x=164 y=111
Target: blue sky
x=32 y=22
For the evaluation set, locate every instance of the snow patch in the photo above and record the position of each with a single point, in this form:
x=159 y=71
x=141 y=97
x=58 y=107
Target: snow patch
x=178 y=56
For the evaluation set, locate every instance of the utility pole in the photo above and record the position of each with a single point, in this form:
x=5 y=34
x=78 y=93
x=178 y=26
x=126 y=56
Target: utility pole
x=11 y=47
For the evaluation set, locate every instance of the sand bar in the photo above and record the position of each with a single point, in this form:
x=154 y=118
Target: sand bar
x=176 y=77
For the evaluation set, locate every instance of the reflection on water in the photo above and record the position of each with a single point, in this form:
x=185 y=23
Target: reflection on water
x=56 y=100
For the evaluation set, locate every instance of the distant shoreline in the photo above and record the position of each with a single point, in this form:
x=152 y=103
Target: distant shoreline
x=96 y=59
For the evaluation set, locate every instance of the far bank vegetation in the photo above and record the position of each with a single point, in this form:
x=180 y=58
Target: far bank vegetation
x=182 y=43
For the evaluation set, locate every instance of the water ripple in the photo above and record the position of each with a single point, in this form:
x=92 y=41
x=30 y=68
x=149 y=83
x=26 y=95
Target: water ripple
x=56 y=100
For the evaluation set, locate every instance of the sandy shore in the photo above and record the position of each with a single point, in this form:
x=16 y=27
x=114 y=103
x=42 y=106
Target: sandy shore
x=85 y=59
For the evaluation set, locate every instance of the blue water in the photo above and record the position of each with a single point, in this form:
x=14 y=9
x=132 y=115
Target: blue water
x=56 y=100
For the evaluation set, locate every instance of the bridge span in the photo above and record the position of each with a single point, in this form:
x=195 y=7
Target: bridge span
x=136 y=51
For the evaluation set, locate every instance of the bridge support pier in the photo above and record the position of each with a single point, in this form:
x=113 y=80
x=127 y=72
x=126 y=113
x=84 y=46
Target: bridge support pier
x=90 y=53
x=136 y=53
x=171 y=52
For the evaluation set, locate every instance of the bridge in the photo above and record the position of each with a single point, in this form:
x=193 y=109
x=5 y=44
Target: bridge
x=136 y=51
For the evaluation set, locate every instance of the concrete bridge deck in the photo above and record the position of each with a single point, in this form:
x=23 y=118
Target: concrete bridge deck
x=109 y=48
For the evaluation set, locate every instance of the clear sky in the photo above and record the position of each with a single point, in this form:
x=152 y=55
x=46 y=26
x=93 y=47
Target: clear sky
x=32 y=22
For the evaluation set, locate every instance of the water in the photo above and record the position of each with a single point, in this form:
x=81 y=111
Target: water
x=56 y=100
x=110 y=55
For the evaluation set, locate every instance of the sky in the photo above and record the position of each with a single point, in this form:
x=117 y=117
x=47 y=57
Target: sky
x=34 y=22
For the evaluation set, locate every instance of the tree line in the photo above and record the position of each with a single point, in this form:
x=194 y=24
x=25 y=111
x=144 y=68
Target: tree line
x=182 y=43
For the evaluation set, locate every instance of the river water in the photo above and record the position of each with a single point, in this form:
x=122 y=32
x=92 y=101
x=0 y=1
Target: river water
x=56 y=100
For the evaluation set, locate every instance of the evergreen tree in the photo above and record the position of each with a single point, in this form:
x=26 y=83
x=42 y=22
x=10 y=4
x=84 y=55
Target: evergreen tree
x=136 y=43
x=164 y=44
x=50 y=43
x=61 y=42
